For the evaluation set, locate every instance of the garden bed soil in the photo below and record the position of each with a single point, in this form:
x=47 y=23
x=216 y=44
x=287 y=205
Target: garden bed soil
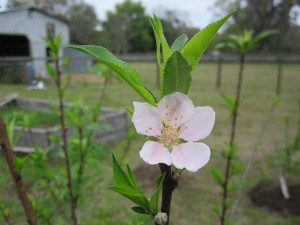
x=268 y=194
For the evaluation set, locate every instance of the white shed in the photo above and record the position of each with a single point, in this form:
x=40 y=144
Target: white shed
x=22 y=31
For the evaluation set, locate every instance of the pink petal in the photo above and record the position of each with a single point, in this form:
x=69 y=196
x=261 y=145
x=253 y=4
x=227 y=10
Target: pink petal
x=175 y=109
x=199 y=125
x=154 y=153
x=146 y=120
x=191 y=156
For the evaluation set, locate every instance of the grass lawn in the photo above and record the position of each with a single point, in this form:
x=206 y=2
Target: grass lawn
x=197 y=196
x=29 y=117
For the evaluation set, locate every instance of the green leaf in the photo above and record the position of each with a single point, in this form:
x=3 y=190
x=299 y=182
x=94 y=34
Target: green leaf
x=121 y=178
x=215 y=173
x=230 y=101
x=161 y=44
x=263 y=35
x=51 y=70
x=177 y=75
x=10 y=131
x=195 y=48
x=18 y=135
x=125 y=70
x=158 y=31
x=65 y=62
x=20 y=162
x=154 y=198
x=276 y=100
x=130 y=110
x=139 y=210
x=179 y=43
x=131 y=178
x=232 y=150
x=133 y=195
x=158 y=44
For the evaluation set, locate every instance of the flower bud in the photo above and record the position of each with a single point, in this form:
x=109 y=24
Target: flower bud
x=176 y=176
x=161 y=218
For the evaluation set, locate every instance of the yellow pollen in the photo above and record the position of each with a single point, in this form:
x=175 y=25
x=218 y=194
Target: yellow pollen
x=150 y=128
x=167 y=114
x=146 y=131
x=167 y=106
x=175 y=110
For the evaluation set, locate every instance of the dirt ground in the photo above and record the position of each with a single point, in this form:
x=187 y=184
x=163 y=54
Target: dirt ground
x=268 y=194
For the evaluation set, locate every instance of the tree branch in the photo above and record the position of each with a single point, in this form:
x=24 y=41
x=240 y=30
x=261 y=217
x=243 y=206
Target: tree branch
x=17 y=178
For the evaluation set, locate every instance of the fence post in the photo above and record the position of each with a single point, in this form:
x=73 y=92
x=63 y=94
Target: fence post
x=219 y=73
x=279 y=76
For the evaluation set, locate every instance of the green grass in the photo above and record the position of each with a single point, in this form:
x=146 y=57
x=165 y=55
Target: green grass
x=29 y=118
x=197 y=194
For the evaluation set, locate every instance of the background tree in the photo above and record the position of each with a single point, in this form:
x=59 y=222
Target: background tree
x=174 y=23
x=128 y=28
x=83 y=23
x=257 y=15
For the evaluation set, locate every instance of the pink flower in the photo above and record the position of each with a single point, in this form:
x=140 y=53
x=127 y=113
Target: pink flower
x=172 y=129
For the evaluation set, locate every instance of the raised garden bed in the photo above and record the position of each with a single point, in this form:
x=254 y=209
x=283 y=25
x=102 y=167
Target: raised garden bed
x=39 y=136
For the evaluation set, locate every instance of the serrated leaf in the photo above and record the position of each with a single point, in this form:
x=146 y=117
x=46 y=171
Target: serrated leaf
x=195 y=48
x=154 y=198
x=158 y=44
x=161 y=44
x=133 y=195
x=177 y=75
x=121 y=178
x=158 y=31
x=123 y=69
x=139 y=210
x=179 y=43
x=131 y=178
x=215 y=173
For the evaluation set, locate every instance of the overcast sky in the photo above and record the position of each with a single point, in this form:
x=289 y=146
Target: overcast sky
x=196 y=12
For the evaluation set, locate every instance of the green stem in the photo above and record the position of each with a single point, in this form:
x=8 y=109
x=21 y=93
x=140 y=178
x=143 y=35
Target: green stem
x=65 y=143
x=231 y=142
x=16 y=175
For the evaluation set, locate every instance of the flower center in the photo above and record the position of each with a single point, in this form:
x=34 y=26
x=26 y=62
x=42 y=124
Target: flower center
x=169 y=135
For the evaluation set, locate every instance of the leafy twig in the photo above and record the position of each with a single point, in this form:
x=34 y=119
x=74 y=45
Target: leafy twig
x=17 y=178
